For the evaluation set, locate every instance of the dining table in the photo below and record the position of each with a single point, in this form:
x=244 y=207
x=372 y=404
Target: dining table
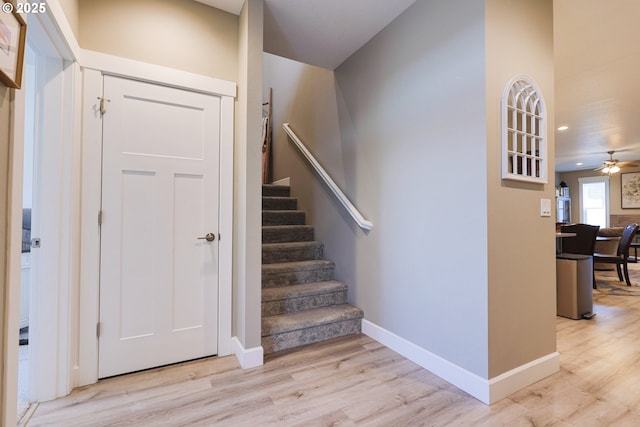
x=559 y=236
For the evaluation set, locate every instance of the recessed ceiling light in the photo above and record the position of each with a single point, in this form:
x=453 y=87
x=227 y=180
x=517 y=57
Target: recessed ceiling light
x=579 y=164
x=563 y=128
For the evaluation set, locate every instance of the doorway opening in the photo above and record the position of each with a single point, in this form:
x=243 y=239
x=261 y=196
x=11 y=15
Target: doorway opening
x=45 y=279
x=27 y=207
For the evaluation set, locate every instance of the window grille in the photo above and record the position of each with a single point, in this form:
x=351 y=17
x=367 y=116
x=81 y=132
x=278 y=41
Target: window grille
x=524 y=142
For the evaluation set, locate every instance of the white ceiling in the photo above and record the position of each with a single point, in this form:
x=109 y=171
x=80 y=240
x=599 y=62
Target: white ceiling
x=597 y=93
x=325 y=32
x=597 y=60
x=320 y=32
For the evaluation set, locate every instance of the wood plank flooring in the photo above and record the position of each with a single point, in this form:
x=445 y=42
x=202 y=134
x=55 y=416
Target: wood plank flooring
x=356 y=381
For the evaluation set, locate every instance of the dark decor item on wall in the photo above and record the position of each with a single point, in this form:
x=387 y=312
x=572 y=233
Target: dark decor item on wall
x=13 y=32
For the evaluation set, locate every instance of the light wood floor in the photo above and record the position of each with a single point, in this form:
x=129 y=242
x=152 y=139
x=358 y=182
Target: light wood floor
x=356 y=381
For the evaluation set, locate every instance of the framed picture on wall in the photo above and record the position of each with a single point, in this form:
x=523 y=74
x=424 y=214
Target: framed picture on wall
x=630 y=187
x=13 y=31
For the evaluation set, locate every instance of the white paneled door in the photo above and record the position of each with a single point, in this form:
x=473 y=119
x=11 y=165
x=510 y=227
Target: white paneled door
x=160 y=185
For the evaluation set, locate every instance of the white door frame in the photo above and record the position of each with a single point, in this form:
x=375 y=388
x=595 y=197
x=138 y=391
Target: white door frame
x=53 y=357
x=54 y=221
x=95 y=65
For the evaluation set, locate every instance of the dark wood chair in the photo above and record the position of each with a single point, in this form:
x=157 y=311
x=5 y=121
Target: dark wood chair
x=635 y=246
x=622 y=256
x=585 y=240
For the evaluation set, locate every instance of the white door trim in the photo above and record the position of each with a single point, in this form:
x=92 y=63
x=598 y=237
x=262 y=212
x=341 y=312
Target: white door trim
x=58 y=380
x=54 y=267
x=151 y=73
x=14 y=244
x=95 y=65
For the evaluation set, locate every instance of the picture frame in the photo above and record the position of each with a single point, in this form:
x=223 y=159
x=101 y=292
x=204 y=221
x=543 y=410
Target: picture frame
x=13 y=34
x=630 y=190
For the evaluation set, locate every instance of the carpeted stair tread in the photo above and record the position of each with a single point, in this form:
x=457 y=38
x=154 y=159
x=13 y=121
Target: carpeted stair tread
x=301 y=337
x=296 y=265
x=283 y=323
x=289 y=273
x=302 y=290
x=279 y=203
x=308 y=296
x=276 y=190
x=286 y=233
x=291 y=251
x=301 y=302
x=283 y=217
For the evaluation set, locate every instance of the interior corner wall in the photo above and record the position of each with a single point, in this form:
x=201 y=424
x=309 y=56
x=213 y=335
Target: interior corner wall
x=247 y=287
x=180 y=34
x=401 y=127
x=522 y=282
x=305 y=97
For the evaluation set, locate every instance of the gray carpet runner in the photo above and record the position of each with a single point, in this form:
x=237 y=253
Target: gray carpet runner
x=301 y=302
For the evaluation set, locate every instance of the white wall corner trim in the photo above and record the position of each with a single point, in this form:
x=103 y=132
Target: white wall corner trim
x=248 y=358
x=57 y=18
x=505 y=384
x=486 y=391
x=131 y=69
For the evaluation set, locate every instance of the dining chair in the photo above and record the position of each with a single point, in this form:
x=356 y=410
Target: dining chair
x=622 y=255
x=584 y=241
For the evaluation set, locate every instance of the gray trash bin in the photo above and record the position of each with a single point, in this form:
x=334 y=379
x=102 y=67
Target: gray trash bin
x=574 y=286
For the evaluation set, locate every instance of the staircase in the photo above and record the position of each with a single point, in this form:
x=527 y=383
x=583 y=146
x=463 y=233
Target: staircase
x=301 y=303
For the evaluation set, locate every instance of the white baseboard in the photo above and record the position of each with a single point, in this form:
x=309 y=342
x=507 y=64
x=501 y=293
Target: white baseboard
x=486 y=391
x=248 y=358
x=508 y=383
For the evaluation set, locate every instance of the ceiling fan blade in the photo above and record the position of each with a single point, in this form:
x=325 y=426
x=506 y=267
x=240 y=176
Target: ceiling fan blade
x=629 y=164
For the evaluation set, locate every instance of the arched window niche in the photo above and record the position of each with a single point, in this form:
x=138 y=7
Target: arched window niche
x=524 y=130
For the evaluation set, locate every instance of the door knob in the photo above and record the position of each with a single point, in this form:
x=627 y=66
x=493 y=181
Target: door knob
x=210 y=237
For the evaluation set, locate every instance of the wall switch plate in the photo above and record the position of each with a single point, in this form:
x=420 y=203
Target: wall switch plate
x=545 y=207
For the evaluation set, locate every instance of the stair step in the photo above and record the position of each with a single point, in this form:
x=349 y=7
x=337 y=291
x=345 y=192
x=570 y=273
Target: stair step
x=281 y=203
x=283 y=217
x=287 y=233
x=285 y=331
x=276 y=190
x=291 y=251
x=301 y=302
x=308 y=296
x=291 y=273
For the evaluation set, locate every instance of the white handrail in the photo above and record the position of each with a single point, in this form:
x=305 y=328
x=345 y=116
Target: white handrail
x=353 y=211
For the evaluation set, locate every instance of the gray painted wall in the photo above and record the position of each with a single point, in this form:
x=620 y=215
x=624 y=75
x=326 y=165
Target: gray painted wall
x=401 y=127
x=413 y=109
x=409 y=127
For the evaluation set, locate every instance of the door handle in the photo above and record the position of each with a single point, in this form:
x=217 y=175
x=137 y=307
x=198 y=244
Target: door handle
x=210 y=237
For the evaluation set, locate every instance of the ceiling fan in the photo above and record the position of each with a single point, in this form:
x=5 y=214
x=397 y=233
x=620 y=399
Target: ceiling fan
x=612 y=166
